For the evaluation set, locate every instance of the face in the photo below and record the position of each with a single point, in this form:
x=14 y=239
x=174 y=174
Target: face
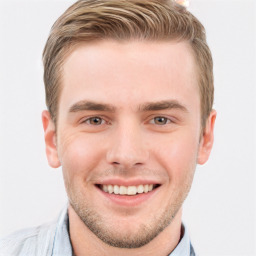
x=128 y=136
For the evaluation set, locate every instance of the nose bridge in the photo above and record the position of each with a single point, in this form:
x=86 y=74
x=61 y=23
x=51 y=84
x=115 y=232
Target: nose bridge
x=127 y=147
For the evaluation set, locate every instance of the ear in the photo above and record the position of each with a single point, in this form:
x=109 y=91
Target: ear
x=207 y=138
x=50 y=140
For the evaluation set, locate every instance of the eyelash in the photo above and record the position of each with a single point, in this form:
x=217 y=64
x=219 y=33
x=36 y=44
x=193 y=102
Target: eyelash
x=167 y=120
x=94 y=117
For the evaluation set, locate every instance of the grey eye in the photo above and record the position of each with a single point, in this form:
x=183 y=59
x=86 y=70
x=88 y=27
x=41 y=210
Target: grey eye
x=160 y=120
x=95 y=120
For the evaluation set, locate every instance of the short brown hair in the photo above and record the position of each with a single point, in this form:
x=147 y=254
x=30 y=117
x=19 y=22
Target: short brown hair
x=90 y=20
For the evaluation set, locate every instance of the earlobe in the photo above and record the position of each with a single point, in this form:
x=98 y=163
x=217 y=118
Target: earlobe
x=50 y=140
x=207 y=139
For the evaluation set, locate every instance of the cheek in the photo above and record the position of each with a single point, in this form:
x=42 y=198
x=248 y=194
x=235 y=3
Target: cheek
x=177 y=154
x=78 y=154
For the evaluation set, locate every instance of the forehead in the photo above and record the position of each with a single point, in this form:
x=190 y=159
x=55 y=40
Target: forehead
x=132 y=71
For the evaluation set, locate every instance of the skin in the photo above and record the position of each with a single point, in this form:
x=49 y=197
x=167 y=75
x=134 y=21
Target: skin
x=128 y=142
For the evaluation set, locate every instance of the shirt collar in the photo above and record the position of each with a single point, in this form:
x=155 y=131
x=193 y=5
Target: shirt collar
x=62 y=244
x=183 y=247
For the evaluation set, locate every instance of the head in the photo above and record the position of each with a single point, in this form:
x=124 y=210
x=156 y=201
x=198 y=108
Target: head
x=129 y=91
x=90 y=21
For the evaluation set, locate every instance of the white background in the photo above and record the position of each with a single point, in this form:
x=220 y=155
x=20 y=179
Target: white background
x=220 y=210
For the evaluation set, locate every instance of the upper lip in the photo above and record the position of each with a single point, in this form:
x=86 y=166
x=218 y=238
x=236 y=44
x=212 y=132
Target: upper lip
x=127 y=182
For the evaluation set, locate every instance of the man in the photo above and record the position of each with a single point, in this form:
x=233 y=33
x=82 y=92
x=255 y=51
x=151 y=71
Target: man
x=129 y=91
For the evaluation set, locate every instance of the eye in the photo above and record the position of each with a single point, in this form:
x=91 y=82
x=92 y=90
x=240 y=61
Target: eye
x=160 y=120
x=95 y=120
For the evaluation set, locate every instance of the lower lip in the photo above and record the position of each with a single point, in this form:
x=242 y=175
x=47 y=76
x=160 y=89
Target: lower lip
x=125 y=200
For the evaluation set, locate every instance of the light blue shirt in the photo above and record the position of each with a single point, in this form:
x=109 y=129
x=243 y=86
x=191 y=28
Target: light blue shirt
x=53 y=240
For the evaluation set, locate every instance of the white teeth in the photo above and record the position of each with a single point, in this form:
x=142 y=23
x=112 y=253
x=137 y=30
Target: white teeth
x=130 y=190
x=123 y=190
x=110 y=189
x=116 y=189
x=140 y=189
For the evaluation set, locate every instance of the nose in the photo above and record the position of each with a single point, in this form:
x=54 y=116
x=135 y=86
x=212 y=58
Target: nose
x=127 y=148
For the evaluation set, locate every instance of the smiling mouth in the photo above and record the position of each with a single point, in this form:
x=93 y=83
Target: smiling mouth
x=127 y=190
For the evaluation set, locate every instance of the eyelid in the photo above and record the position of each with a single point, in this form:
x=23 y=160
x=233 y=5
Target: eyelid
x=106 y=121
x=86 y=119
x=169 y=120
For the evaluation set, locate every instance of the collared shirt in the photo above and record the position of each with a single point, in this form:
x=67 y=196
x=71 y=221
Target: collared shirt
x=53 y=240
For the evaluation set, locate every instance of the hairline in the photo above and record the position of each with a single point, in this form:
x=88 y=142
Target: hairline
x=73 y=45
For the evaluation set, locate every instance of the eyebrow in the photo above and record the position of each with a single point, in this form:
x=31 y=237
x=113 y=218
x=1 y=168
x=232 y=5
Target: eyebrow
x=162 y=105
x=150 y=106
x=89 y=105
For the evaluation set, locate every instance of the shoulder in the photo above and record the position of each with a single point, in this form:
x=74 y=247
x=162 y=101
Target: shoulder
x=29 y=241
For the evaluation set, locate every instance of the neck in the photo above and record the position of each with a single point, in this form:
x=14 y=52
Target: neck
x=84 y=241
